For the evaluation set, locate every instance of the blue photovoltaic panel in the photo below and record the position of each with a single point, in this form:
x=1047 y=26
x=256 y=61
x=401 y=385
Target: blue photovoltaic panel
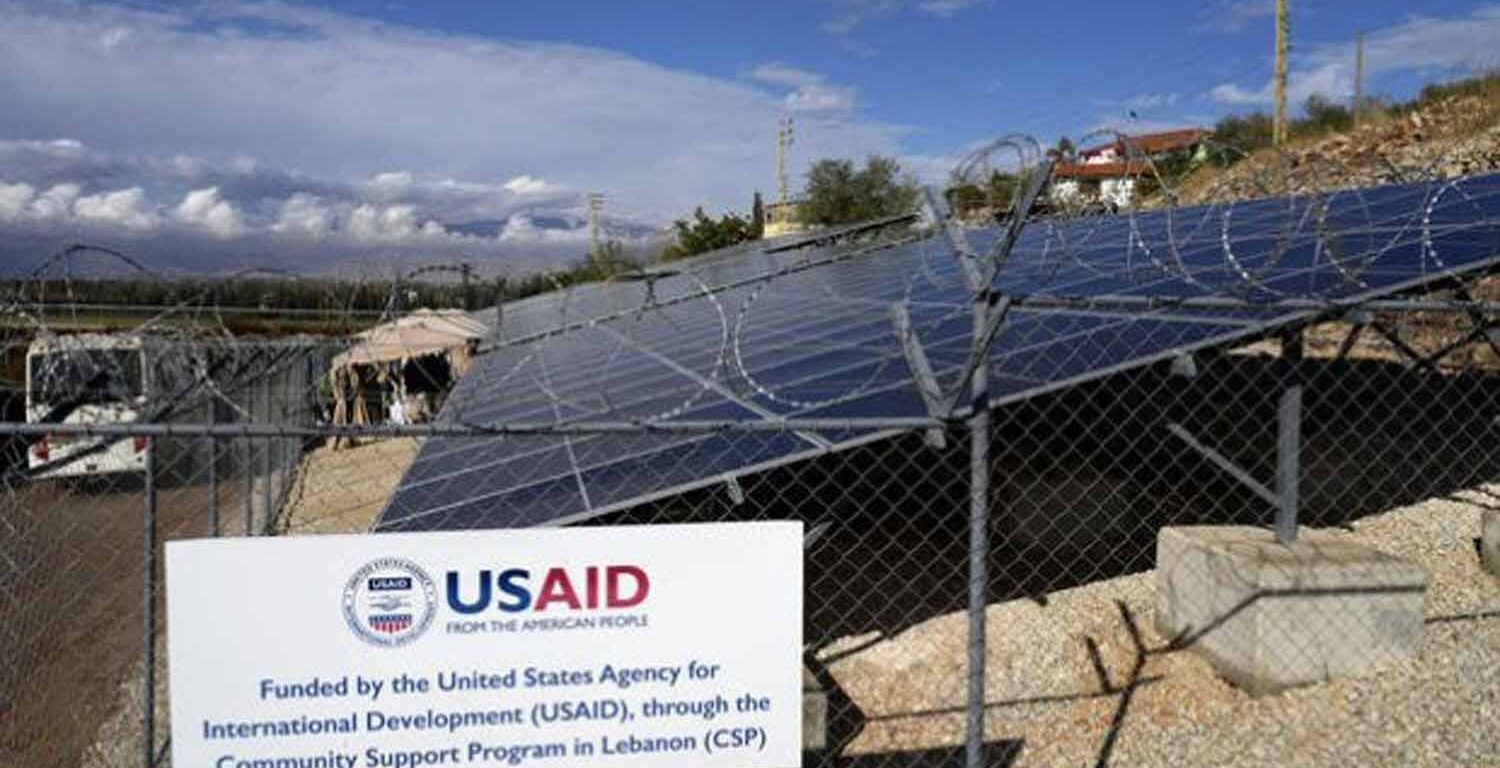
x=747 y=335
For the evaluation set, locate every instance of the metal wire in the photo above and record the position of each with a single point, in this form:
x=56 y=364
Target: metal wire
x=1108 y=377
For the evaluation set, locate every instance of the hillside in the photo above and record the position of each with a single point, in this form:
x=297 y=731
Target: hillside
x=1450 y=131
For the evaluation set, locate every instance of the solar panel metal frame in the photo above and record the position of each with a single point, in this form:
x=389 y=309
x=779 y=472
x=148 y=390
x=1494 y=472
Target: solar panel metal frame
x=1237 y=330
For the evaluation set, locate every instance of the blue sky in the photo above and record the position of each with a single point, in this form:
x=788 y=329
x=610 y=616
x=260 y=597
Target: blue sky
x=955 y=72
x=315 y=132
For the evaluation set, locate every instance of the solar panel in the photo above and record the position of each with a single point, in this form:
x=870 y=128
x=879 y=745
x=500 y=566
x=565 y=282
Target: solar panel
x=808 y=333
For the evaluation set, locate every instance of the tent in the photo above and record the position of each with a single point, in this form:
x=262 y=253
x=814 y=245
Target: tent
x=385 y=356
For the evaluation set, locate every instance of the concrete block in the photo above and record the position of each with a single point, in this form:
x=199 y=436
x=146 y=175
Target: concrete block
x=1489 y=541
x=1270 y=616
x=814 y=714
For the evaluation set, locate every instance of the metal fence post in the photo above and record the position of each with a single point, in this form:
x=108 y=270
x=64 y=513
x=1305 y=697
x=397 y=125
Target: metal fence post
x=265 y=485
x=1289 y=439
x=979 y=533
x=213 y=471
x=249 y=465
x=148 y=716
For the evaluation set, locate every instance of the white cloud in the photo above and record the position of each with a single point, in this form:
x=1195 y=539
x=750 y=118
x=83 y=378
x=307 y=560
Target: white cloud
x=392 y=180
x=333 y=96
x=821 y=98
x=849 y=14
x=204 y=208
x=946 y=8
x=373 y=223
x=1437 y=45
x=1332 y=79
x=1152 y=100
x=303 y=214
x=113 y=37
x=264 y=217
x=14 y=200
x=776 y=73
x=811 y=92
x=525 y=185
x=126 y=207
x=852 y=13
x=1234 y=15
x=520 y=228
x=56 y=202
x=271 y=134
x=1231 y=93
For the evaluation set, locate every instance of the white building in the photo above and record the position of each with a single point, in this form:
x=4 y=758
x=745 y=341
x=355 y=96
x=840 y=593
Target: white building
x=1107 y=174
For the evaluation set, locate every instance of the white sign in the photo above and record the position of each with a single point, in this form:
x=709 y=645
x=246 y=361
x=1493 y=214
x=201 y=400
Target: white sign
x=625 y=646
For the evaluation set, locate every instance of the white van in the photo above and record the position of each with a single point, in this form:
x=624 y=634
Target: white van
x=86 y=379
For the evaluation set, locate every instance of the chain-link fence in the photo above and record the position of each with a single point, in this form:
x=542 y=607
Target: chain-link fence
x=1083 y=492
x=85 y=517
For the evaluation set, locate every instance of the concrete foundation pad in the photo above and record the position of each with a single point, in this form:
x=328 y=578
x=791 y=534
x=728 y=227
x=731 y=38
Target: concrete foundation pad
x=814 y=714
x=1270 y=616
x=1489 y=541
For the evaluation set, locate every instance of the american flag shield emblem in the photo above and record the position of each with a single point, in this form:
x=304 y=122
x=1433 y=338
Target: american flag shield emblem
x=390 y=623
x=389 y=602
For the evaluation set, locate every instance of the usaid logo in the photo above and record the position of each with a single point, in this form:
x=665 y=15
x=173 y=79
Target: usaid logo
x=389 y=602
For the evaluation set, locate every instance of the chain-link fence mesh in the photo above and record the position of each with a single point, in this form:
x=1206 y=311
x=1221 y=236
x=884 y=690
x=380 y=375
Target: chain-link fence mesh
x=1105 y=495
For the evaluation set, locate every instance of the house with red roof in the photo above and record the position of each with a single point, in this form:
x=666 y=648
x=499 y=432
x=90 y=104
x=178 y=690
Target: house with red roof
x=1108 y=174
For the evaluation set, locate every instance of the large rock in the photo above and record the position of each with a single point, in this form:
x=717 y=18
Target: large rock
x=1270 y=616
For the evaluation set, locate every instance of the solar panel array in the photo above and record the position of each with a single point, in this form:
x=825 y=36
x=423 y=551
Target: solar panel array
x=749 y=336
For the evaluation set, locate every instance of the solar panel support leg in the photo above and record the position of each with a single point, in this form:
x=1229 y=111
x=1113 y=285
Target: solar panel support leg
x=1225 y=463
x=979 y=540
x=1288 y=466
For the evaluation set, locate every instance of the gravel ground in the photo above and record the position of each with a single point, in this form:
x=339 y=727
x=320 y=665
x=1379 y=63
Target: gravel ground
x=119 y=743
x=342 y=491
x=1046 y=694
x=1426 y=334
x=1439 y=709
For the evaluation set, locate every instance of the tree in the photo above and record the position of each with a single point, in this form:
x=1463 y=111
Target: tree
x=968 y=199
x=757 y=217
x=965 y=199
x=1064 y=152
x=1323 y=115
x=703 y=233
x=838 y=194
x=610 y=260
x=1002 y=190
x=1238 y=135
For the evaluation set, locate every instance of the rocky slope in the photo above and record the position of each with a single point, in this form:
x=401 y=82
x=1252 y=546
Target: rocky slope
x=1447 y=138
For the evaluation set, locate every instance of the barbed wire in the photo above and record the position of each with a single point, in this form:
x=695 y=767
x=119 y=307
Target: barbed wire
x=849 y=354
x=1165 y=240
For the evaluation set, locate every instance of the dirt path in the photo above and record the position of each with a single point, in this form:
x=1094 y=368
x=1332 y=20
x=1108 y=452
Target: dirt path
x=342 y=491
x=73 y=607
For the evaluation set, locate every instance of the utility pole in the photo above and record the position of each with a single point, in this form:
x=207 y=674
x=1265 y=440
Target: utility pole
x=1278 y=129
x=1359 y=77
x=596 y=207
x=783 y=140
